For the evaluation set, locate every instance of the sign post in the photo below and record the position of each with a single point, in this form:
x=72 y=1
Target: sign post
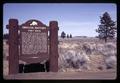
x=13 y=46
x=53 y=46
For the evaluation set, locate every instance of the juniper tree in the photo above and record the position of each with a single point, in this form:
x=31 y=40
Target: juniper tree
x=63 y=35
x=67 y=36
x=70 y=36
x=107 y=27
x=5 y=36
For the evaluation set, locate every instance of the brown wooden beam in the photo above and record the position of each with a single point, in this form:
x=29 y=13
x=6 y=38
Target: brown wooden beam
x=13 y=46
x=53 y=46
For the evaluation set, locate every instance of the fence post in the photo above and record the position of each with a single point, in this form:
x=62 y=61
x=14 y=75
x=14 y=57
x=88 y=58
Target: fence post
x=13 y=46
x=53 y=25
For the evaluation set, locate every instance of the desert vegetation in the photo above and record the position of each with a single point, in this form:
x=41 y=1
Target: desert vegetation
x=80 y=54
x=86 y=54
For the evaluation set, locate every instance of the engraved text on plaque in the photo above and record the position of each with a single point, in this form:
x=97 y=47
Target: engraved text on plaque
x=34 y=42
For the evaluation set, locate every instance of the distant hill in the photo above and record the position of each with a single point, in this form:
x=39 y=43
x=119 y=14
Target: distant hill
x=81 y=36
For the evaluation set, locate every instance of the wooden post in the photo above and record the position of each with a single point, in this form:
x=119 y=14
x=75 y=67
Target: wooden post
x=13 y=46
x=53 y=46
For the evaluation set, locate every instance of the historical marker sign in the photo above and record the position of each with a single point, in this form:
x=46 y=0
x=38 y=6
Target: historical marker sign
x=33 y=43
x=34 y=40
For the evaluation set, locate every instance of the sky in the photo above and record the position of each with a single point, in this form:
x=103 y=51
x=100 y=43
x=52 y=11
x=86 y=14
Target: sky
x=78 y=19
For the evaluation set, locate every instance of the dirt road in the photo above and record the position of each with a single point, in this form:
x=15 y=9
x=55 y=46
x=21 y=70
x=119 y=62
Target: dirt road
x=65 y=75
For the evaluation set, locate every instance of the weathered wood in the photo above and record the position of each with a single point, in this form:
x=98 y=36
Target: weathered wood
x=30 y=44
x=53 y=46
x=35 y=59
x=13 y=47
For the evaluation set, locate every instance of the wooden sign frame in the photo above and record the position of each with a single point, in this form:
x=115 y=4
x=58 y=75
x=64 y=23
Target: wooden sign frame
x=15 y=41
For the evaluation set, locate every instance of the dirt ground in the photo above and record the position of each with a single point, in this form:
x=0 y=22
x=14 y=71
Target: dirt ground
x=104 y=75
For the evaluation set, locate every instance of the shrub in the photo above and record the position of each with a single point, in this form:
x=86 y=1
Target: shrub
x=76 y=60
x=87 y=49
x=111 y=62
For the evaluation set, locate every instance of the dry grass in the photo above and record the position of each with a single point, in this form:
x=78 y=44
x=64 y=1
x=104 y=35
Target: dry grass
x=94 y=55
x=97 y=55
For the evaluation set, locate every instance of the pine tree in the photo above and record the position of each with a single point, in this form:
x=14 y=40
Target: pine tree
x=5 y=36
x=67 y=36
x=70 y=36
x=107 y=27
x=63 y=35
